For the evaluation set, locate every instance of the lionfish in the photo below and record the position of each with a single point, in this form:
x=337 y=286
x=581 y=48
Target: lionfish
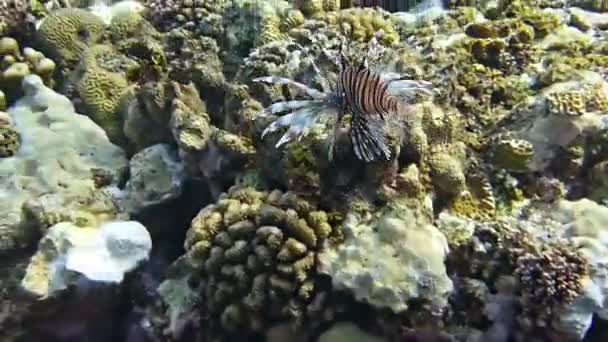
x=369 y=97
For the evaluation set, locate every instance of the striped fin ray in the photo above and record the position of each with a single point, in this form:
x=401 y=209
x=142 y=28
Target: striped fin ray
x=297 y=121
x=369 y=142
x=284 y=106
x=315 y=94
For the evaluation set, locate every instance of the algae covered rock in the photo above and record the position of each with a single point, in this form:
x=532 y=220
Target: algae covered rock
x=390 y=259
x=61 y=152
x=156 y=176
x=347 y=332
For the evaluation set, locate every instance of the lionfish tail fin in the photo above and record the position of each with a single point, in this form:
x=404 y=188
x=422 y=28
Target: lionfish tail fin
x=369 y=142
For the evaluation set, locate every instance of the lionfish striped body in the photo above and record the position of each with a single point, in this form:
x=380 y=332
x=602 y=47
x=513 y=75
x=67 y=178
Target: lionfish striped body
x=367 y=96
x=364 y=95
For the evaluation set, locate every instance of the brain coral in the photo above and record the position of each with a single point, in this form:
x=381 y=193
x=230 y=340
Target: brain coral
x=101 y=90
x=12 y=14
x=66 y=33
x=257 y=251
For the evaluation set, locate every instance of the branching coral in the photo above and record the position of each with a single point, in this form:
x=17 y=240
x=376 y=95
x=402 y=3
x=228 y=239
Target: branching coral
x=257 y=252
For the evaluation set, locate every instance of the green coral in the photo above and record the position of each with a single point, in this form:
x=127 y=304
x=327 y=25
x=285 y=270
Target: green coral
x=67 y=33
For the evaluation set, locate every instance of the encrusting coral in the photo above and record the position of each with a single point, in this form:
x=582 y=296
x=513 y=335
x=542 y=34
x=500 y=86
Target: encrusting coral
x=256 y=252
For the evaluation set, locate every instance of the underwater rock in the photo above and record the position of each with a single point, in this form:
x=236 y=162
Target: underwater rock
x=156 y=176
x=61 y=152
x=179 y=301
x=585 y=223
x=564 y=112
x=102 y=254
x=347 y=332
x=284 y=332
x=390 y=259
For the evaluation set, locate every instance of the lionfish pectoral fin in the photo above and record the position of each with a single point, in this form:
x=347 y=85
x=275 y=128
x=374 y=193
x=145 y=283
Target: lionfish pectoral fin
x=332 y=143
x=369 y=142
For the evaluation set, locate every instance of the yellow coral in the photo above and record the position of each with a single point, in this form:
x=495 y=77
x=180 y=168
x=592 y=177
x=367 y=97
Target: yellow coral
x=9 y=140
x=478 y=201
x=291 y=19
x=570 y=103
x=101 y=92
x=513 y=154
x=362 y=24
x=67 y=33
x=331 y=5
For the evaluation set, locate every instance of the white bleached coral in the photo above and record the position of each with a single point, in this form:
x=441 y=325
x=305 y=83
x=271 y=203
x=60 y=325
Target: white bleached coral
x=389 y=260
x=103 y=254
x=61 y=152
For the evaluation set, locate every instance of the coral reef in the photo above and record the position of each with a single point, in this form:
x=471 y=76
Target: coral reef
x=9 y=137
x=486 y=224
x=101 y=86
